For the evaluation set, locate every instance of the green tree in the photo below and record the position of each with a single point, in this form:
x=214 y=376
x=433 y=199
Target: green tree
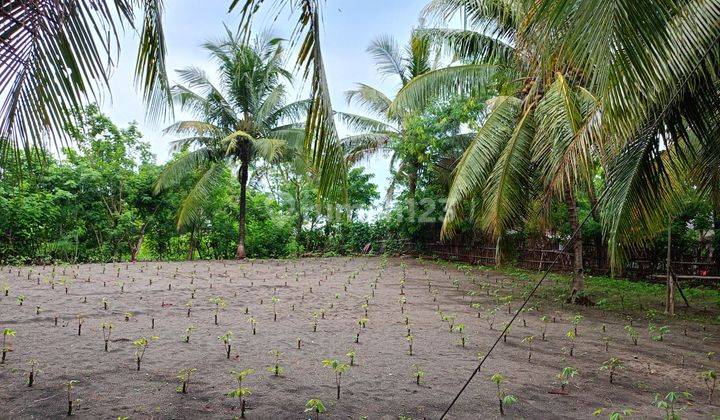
x=243 y=118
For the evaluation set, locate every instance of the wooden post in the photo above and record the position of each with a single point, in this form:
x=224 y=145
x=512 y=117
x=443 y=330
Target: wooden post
x=670 y=298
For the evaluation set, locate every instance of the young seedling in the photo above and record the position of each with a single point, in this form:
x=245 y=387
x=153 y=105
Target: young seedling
x=418 y=374
x=490 y=317
x=478 y=307
x=219 y=304
x=315 y=406
x=188 y=332
x=338 y=368
x=570 y=336
x=529 y=341
x=253 y=323
x=460 y=328
x=658 y=333
x=351 y=355
x=31 y=375
x=504 y=399
x=241 y=392
x=710 y=379
x=577 y=319
x=276 y=369
x=409 y=339
x=612 y=366
x=565 y=375
x=543 y=328
x=106 y=330
x=21 y=299
x=70 y=385
x=632 y=334
x=274 y=301
x=7 y=332
x=184 y=378
x=81 y=321
x=104 y=302
x=668 y=403
x=141 y=344
x=128 y=315
x=226 y=339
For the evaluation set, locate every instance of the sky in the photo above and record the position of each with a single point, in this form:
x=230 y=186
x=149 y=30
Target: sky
x=348 y=28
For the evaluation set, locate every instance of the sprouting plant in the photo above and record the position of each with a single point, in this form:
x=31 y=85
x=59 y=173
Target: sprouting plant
x=632 y=333
x=409 y=339
x=362 y=322
x=710 y=379
x=402 y=300
x=351 y=355
x=529 y=341
x=219 y=304
x=668 y=403
x=107 y=331
x=188 y=332
x=315 y=406
x=338 y=369
x=184 y=378
x=460 y=328
x=577 y=319
x=276 y=369
x=70 y=385
x=490 y=317
x=274 y=301
x=128 y=315
x=545 y=319
x=226 y=339
x=253 y=323
x=31 y=375
x=612 y=365
x=21 y=299
x=241 y=392
x=504 y=399
x=478 y=307
x=570 y=336
x=658 y=333
x=141 y=344
x=7 y=332
x=6 y=288
x=565 y=375
x=418 y=374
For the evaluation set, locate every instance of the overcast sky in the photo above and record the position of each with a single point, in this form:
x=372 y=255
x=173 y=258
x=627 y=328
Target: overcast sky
x=349 y=26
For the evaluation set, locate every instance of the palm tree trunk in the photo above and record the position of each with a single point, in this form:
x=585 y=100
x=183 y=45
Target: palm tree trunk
x=242 y=178
x=578 y=282
x=191 y=246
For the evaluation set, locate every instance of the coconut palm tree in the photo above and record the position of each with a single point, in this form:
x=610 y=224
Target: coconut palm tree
x=385 y=126
x=56 y=56
x=243 y=118
x=537 y=140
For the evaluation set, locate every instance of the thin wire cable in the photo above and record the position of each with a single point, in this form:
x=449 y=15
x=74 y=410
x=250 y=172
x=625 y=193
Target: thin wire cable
x=650 y=129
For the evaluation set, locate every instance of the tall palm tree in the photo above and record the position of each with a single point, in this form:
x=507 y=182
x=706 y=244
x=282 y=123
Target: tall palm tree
x=386 y=125
x=243 y=118
x=56 y=56
x=538 y=139
x=322 y=143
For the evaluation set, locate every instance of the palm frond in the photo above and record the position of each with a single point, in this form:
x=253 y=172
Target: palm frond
x=370 y=99
x=385 y=51
x=185 y=165
x=191 y=209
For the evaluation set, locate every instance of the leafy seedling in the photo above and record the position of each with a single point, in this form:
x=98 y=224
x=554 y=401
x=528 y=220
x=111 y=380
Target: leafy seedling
x=565 y=375
x=226 y=339
x=184 y=378
x=669 y=402
x=529 y=341
x=253 y=323
x=70 y=385
x=612 y=365
x=21 y=299
x=141 y=345
x=632 y=333
x=315 y=406
x=504 y=399
x=219 y=304
x=31 y=375
x=276 y=369
x=188 y=332
x=710 y=379
x=274 y=301
x=577 y=319
x=418 y=374
x=241 y=392
x=338 y=369
x=107 y=331
x=7 y=332
x=658 y=333
x=570 y=336
x=351 y=355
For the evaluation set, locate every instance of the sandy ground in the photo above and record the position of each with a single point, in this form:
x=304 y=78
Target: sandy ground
x=381 y=385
